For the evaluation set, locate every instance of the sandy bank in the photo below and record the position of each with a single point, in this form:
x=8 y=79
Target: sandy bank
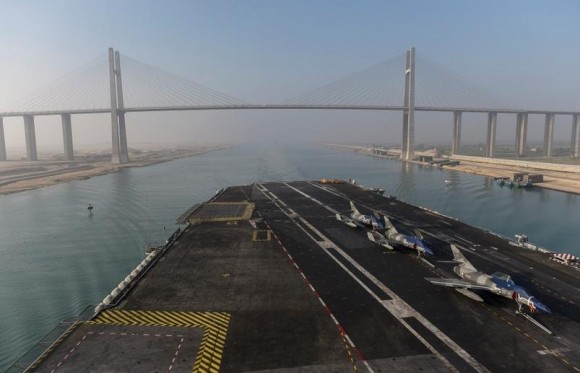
x=19 y=176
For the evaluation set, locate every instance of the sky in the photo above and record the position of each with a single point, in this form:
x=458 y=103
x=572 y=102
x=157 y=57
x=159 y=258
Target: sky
x=525 y=51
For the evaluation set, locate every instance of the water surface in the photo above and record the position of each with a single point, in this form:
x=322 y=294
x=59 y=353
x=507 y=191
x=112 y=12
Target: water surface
x=55 y=258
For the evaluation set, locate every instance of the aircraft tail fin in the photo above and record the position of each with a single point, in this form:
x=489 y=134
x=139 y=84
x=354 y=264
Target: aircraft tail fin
x=353 y=208
x=418 y=234
x=460 y=259
x=388 y=223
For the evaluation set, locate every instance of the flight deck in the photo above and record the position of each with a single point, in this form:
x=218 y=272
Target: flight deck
x=264 y=278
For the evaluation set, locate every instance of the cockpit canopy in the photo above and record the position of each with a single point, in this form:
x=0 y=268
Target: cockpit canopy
x=505 y=281
x=502 y=280
x=503 y=277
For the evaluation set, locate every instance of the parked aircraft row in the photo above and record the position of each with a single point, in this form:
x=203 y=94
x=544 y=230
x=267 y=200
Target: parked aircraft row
x=389 y=236
x=384 y=233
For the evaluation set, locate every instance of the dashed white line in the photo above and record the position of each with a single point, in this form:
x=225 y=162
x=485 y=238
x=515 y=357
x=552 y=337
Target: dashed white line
x=175 y=355
x=426 y=323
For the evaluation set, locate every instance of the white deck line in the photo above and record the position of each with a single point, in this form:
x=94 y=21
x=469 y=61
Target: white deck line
x=426 y=323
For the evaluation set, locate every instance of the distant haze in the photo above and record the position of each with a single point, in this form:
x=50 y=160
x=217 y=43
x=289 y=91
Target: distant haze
x=265 y=51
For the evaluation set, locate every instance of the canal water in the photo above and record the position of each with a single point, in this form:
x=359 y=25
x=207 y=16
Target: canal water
x=55 y=258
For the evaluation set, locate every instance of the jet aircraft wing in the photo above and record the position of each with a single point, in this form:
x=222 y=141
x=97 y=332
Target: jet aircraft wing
x=378 y=238
x=456 y=283
x=348 y=221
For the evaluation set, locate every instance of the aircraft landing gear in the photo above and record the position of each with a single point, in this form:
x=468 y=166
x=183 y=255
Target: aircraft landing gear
x=520 y=312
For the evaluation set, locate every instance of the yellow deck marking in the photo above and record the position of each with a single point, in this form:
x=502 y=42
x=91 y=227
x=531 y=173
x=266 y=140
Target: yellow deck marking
x=215 y=325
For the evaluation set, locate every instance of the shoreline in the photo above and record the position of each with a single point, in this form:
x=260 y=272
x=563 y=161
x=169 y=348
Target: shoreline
x=566 y=182
x=19 y=176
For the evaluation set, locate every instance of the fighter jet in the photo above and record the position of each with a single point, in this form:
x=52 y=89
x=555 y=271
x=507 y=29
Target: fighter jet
x=498 y=283
x=357 y=219
x=393 y=237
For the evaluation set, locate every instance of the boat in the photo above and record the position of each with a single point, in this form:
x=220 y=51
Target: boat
x=513 y=183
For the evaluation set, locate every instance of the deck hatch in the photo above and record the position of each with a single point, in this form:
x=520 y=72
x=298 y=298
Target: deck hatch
x=262 y=235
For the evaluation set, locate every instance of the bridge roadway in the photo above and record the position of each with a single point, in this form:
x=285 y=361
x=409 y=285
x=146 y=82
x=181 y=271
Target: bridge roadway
x=301 y=290
x=285 y=107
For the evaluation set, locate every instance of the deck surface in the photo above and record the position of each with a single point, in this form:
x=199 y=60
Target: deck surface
x=301 y=290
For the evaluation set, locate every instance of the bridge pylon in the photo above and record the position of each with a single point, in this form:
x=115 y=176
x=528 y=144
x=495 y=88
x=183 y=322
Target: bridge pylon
x=521 y=134
x=549 y=134
x=120 y=152
x=575 y=144
x=491 y=134
x=67 y=139
x=456 y=140
x=123 y=150
x=408 y=141
x=2 y=141
x=30 y=137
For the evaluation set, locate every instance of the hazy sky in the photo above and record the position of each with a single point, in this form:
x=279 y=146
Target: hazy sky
x=265 y=51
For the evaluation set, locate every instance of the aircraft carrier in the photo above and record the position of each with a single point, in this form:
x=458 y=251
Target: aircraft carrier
x=264 y=278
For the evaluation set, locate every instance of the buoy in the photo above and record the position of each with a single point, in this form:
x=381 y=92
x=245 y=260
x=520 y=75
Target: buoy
x=90 y=208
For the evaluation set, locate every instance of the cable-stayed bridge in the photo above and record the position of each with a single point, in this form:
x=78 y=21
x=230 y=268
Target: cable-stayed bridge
x=408 y=83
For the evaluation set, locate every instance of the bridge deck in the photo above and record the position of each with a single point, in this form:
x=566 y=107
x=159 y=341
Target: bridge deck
x=288 y=107
x=302 y=290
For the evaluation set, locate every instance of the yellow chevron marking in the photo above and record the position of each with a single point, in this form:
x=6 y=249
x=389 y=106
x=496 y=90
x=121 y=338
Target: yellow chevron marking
x=215 y=325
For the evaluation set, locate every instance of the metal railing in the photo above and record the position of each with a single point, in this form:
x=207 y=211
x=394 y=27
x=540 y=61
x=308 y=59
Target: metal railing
x=41 y=349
